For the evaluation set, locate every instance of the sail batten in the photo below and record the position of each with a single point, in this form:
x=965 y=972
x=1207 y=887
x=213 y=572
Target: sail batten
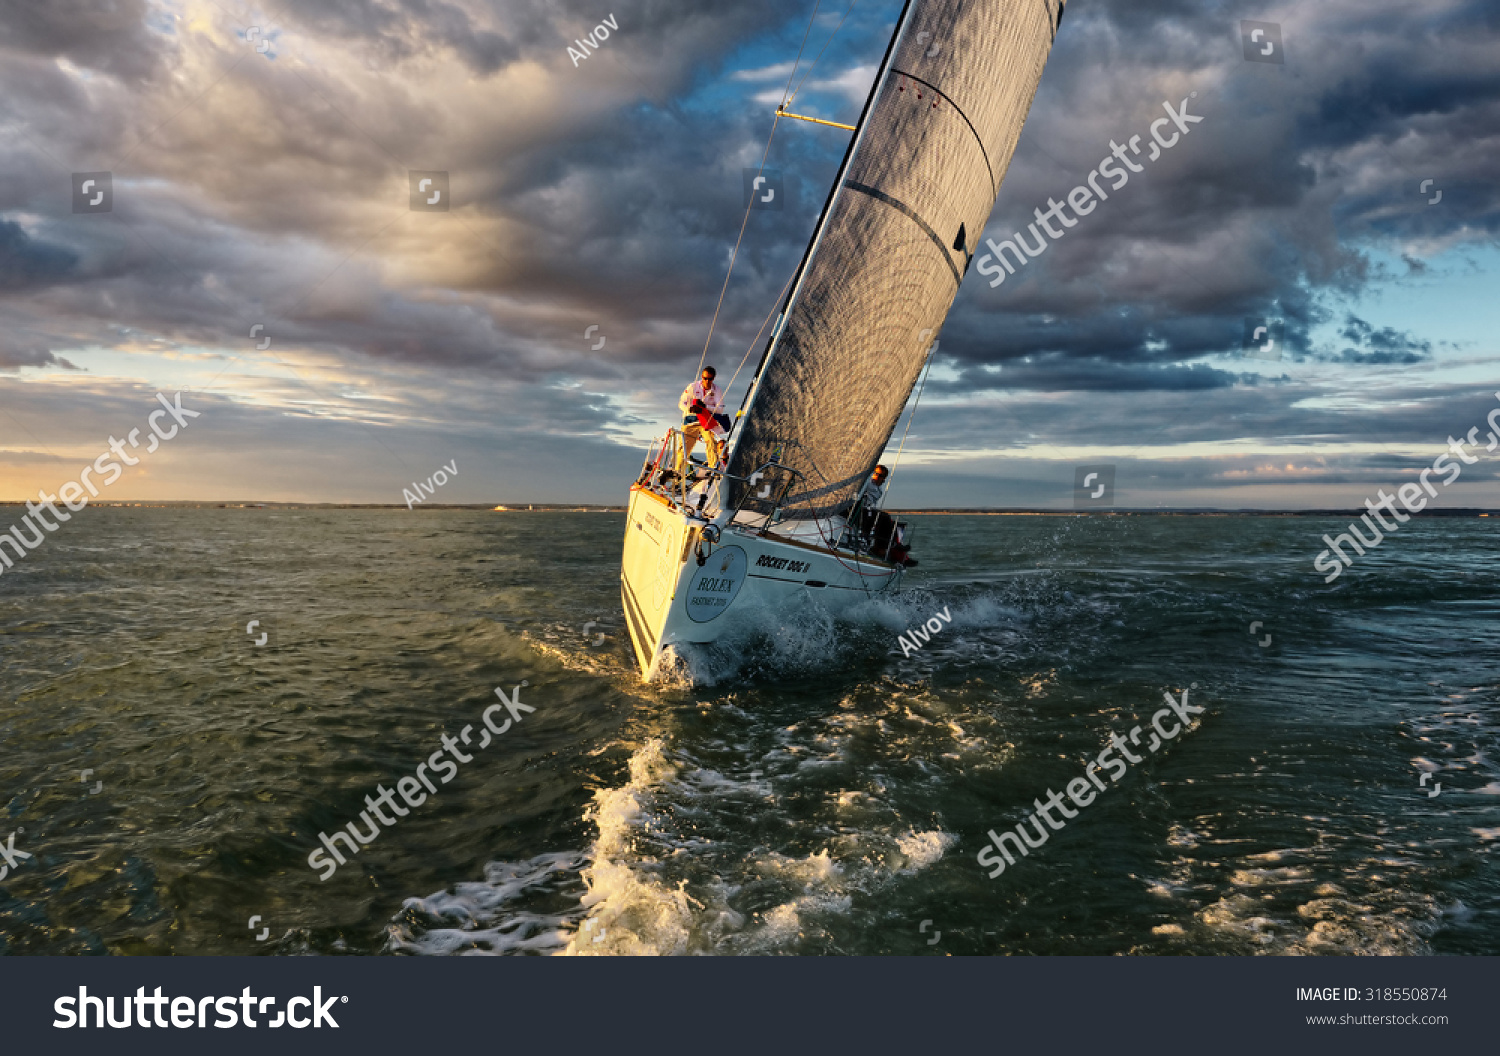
x=922 y=172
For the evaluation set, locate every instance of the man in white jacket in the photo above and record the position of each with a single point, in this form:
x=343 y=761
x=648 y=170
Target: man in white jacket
x=702 y=397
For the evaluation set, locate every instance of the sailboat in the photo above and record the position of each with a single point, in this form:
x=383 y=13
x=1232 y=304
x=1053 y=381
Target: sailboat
x=779 y=521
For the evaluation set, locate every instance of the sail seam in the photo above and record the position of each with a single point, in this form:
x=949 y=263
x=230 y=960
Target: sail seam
x=902 y=207
x=959 y=111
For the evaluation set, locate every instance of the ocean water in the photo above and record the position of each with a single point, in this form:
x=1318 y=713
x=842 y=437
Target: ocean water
x=808 y=788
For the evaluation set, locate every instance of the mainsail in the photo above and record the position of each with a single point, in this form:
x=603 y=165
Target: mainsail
x=897 y=235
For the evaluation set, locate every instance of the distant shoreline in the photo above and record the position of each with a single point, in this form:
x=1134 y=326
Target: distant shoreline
x=986 y=511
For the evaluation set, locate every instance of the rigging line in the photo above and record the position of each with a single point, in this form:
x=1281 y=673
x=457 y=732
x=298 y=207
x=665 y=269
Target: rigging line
x=805 y=34
x=756 y=339
x=833 y=552
x=827 y=42
x=930 y=359
x=830 y=544
x=734 y=254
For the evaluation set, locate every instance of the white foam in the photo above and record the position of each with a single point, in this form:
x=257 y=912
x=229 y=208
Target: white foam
x=490 y=917
x=768 y=639
x=656 y=884
x=631 y=913
x=924 y=848
x=1399 y=925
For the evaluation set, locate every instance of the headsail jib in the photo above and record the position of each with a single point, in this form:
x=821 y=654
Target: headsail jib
x=896 y=237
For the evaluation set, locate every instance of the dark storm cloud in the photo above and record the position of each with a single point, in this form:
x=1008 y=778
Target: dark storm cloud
x=110 y=37
x=1269 y=205
x=26 y=263
x=273 y=191
x=1383 y=345
x=19 y=350
x=241 y=192
x=1059 y=373
x=489 y=36
x=1224 y=482
x=1269 y=411
x=401 y=29
x=623 y=214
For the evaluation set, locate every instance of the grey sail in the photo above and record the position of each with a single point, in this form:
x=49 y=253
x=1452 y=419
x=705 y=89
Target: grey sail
x=916 y=187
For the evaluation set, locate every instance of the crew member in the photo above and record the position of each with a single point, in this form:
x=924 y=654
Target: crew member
x=702 y=406
x=886 y=543
x=874 y=491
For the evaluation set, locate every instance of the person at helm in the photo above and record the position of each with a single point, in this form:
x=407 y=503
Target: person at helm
x=887 y=542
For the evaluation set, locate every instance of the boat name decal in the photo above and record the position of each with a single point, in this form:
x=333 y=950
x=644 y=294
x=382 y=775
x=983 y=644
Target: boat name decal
x=767 y=561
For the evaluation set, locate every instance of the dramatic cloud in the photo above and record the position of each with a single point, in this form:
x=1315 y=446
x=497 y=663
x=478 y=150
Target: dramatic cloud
x=262 y=248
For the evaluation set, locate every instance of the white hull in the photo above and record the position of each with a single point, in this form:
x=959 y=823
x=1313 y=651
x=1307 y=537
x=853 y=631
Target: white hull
x=670 y=599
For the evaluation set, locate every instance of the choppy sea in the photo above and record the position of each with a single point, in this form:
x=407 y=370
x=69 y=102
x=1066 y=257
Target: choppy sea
x=810 y=787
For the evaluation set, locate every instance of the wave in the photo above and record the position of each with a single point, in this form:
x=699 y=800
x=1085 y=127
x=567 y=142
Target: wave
x=661 y=879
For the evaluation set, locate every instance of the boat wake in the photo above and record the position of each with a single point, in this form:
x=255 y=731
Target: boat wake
x=519 y=907
x=669 y=872
x=775 y=642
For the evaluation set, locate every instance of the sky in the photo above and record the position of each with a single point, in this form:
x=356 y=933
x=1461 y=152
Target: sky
x=264 y=252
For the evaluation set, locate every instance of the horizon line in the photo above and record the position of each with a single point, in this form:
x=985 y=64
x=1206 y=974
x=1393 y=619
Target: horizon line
x=565 y=507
